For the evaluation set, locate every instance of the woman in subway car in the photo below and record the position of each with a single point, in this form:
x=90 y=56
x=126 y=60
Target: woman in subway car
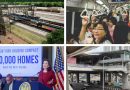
x=47 y=75
x=88 y=28
x=100 y=33
x=111 y=26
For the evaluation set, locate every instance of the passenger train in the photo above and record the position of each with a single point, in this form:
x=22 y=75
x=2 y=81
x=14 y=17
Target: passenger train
x=37 y=22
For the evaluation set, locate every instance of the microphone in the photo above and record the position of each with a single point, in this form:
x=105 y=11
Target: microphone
x=36 y=74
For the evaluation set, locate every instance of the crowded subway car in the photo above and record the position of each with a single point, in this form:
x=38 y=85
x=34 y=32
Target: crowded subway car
x=98 y=22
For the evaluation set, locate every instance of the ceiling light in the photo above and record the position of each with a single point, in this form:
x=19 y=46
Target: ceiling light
x=105 y=6
x=99 y=2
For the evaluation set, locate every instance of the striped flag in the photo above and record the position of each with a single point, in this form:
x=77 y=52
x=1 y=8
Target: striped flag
x=59 y=70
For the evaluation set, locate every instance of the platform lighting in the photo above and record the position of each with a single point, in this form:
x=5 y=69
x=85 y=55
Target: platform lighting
x=96 y=51
x=99 y=2
x=95 y=54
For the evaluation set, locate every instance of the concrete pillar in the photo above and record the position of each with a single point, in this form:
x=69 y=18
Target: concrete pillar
x=126 y=78
x=101 y=78
x=88 y=78
x=77 y=75
x=126 y=81
x=71 y=76
x=106 y=77
x=109 y=77
x=116 y=77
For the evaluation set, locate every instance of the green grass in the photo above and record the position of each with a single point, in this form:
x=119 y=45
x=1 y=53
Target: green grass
x=26 y=35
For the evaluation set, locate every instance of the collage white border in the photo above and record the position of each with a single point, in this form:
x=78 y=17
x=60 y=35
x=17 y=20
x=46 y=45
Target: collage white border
x=64 y=45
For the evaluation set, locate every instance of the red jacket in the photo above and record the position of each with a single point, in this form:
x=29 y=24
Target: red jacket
x=45 y=77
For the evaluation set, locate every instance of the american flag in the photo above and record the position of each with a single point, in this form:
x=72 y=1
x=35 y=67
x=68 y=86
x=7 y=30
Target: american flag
x=59 y=70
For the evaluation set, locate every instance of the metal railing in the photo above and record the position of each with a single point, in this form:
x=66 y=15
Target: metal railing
x=112 y=88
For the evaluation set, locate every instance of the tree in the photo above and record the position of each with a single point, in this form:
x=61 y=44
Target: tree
x=55 y=37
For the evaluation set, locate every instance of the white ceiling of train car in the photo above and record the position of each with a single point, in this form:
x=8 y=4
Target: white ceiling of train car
x=104 y=3
x=112 y=5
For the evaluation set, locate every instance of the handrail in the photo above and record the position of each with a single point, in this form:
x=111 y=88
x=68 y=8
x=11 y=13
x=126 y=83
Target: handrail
x=94 y=13
x=122 y=13
x=85 y=10
x=102 y=11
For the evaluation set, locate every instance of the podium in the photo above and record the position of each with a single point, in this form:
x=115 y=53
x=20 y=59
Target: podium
x=34 y=85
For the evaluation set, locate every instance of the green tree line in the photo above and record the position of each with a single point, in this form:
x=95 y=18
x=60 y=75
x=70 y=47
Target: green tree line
x=39 y=3
x=42 y=4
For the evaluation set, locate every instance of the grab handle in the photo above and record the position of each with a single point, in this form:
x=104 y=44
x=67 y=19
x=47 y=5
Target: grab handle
x=84 y=11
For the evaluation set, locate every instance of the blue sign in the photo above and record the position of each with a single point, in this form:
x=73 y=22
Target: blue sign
x=21 y=61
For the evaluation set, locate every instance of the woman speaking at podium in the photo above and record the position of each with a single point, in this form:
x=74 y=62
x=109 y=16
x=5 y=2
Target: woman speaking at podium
x=47 y=75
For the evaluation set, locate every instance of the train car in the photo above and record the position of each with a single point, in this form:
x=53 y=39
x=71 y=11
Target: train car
x=101 y=10
x=36 y=22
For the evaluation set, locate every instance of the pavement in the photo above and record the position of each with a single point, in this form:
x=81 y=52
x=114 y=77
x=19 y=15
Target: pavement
x=56 y=17
x=11 y=39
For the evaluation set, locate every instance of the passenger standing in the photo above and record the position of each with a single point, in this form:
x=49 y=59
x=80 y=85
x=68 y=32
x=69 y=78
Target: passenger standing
x=111 y=26
x=125 y=16
x=120 y=34
x=87 y=27
x=100 y=33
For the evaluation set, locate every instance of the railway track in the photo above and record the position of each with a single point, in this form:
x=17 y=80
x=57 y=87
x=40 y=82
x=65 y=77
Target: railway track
x=37 y=22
